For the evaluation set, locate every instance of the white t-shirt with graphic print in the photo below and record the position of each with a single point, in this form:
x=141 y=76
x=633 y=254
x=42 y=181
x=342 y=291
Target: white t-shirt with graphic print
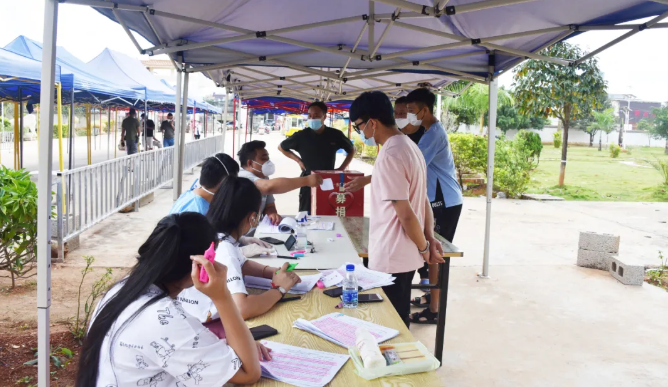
x=199 y=304
x=162 y=346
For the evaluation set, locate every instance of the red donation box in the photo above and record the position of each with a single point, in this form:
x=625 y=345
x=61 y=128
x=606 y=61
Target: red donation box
x=337 y=201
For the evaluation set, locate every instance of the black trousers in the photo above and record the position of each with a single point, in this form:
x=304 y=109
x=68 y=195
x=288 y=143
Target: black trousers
x=445 y=224
x=399 y=294
x=305 y=196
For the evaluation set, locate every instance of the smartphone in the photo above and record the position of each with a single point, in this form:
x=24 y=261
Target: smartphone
x=338 y=292
x=290 y=242
x=271 y=240
x=369 y=298
x=262 y=332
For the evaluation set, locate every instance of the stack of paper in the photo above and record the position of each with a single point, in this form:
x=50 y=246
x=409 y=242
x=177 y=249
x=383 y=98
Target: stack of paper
x=285 y=227
x=300 y=366
x=340 y=329
x=324 y=226
x=308 y=282
x=367 y=279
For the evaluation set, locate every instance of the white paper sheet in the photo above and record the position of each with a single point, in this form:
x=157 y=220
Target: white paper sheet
x=300 y=366
x=366 y=278
x=287 y=224
x=333 y=278
x=327 y=185
x=308 y=282
x=340 y=329
x=322 y=226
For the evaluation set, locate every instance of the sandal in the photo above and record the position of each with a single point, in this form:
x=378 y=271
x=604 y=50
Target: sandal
x=417 y=301
x=424 y=282
x=426 y=314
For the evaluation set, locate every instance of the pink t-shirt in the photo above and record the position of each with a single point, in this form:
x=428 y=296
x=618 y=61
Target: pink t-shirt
x=399 y=173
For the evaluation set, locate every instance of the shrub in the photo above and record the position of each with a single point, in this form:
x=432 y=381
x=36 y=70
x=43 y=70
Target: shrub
x=18 y=222
x=6 y=125
x=557 y=139
x=66 y=131
x=359 y=146
x=370 y=151
x=79 y=324
x=533 y=143
x=614 y=150
x=512 y=166
x=661 y=166
x=469 y=153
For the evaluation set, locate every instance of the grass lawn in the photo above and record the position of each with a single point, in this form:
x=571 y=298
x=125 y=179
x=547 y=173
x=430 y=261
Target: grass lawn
x=594 y=175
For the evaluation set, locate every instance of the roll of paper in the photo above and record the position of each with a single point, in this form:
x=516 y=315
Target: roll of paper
x=367 y=345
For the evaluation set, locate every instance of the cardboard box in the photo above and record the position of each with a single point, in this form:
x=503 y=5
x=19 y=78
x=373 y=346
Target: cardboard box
x=337 y=202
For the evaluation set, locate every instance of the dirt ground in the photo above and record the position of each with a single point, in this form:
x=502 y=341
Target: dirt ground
x=18 y=324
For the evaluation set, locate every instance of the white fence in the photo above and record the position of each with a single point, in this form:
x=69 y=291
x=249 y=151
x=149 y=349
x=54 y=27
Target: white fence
x=93 y=193
x=6 y=140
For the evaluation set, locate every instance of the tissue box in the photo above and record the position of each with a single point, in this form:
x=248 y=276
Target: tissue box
x=337 y=202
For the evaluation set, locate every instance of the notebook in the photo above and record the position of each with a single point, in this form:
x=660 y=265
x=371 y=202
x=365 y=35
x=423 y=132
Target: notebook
x=300 y=366
x=308 y=282
x=340 y=329
x=286 y=226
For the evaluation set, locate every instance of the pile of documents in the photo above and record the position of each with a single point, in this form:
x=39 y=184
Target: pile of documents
x=367 y=279
x=300 y=366
x=308 y=282
x=286 y=226
x=340 y=329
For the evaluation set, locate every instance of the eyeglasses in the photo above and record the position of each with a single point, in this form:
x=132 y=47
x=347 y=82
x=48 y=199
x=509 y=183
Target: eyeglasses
x=357 y=126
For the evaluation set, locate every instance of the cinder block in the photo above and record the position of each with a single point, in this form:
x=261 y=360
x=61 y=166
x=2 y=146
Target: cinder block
x=628 y=274
x=599 y=242
x=143 y=201
x=594 y=259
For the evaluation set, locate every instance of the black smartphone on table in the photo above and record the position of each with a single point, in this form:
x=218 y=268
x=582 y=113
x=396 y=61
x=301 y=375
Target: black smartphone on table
x=290 y=242
x=338 y=292
x=262 y=332
x=369 y=298
x=271 y=240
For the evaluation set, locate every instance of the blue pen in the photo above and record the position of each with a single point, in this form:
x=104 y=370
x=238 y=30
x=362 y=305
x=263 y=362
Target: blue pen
x=341 y=179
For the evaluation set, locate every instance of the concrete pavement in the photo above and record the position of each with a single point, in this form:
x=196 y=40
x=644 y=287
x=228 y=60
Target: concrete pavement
x=539 y=321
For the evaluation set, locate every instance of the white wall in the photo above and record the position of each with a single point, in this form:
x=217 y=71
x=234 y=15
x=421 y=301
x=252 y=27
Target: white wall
x=631 y=138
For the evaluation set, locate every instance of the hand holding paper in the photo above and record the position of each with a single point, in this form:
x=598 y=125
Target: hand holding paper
x=327 y=185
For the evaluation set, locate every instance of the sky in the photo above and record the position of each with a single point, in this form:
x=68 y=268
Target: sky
x=636 y=65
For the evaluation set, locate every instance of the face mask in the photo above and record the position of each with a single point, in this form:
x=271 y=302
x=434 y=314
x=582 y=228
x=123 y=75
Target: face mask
x=369 y=141
x=413 y=120
x=268 y=168
x=314 y=123
x=401 y=122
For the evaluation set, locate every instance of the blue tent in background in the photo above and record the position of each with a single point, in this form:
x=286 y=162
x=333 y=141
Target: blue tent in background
x=88 y=86
x=16 y=72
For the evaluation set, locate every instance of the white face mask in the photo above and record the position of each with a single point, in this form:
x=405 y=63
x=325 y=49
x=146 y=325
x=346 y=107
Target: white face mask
x=401 y=122
x=413 y=120
x=268 y=168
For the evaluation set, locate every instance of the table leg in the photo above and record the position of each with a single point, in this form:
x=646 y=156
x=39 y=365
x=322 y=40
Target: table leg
x=443 y=280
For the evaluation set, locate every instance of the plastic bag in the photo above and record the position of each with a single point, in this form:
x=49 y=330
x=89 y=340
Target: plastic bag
x=416 y=365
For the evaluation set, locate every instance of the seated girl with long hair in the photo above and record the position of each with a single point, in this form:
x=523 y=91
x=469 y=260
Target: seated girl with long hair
x=140 y=334
x=233 y=212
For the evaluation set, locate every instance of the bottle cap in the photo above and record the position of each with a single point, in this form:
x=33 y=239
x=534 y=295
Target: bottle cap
x=350 y=267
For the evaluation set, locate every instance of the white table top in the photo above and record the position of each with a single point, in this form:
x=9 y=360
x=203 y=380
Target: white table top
x=328 y=255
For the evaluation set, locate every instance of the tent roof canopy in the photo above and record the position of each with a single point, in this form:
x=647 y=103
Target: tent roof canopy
x=379 y=44
x=16 y=72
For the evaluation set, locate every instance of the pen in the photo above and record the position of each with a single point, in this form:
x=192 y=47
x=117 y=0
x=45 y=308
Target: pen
x=286 y=257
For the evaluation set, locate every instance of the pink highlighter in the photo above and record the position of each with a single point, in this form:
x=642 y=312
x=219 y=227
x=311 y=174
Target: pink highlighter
x=210 y=254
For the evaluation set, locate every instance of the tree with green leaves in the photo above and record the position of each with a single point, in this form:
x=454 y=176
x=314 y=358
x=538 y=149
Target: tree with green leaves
x=646 y=126
x=660 y=127
x=568 y=93
x=475 y=100
x=508 y=118
x=603 y=121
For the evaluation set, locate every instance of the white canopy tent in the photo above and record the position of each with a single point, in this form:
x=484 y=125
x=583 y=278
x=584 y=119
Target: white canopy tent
x=258 y=48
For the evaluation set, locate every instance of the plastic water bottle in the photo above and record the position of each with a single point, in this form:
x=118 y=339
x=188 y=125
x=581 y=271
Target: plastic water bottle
x=302 y=236
x=350 y=288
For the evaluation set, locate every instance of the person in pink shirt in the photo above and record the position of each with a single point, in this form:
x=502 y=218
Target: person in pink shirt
x=401 y=225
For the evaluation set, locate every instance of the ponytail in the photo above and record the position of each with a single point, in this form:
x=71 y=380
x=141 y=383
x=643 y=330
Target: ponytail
x=163 y=259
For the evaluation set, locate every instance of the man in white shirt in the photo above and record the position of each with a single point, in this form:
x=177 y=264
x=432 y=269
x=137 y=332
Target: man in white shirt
x=256 y=166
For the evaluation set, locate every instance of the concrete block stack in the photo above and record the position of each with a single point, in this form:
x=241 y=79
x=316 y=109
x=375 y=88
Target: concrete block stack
x=600 y=251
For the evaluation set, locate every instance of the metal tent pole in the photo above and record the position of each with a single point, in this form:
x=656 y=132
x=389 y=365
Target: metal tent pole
x=182 y=141
x=108 y=132
x=44 y=189
x=21 y=127
x=491 y=132
x=246 y=135
x=177 y=136
x=146 y=146
x=227 y=100
x=251 y=124
x=234 y=120
x=70 y=163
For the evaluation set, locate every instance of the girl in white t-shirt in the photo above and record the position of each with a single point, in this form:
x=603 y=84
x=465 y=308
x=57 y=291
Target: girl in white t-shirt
x=140 y=334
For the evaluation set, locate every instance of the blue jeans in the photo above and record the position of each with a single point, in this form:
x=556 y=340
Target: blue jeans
x=131 y=147
x=167 y=142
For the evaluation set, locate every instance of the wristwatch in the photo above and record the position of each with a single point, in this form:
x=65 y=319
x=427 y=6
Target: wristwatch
x=282 y=290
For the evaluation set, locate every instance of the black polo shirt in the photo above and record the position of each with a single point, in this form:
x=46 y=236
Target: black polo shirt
x=417 y=135
x=318 y=151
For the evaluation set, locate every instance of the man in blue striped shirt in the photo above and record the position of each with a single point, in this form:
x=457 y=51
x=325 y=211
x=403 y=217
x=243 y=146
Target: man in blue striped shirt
x=443 y=188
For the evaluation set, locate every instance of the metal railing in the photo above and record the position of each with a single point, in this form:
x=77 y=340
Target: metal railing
x=90 y=194
x=6 y=140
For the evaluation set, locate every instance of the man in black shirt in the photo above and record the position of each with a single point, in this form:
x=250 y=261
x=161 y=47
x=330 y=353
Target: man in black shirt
x=150 y=128
x=317 y=146
x=401 y=118
x=167 y=129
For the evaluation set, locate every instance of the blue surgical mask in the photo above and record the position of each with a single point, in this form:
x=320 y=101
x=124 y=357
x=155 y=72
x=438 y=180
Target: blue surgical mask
x=314 y=123
x=369 y=141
